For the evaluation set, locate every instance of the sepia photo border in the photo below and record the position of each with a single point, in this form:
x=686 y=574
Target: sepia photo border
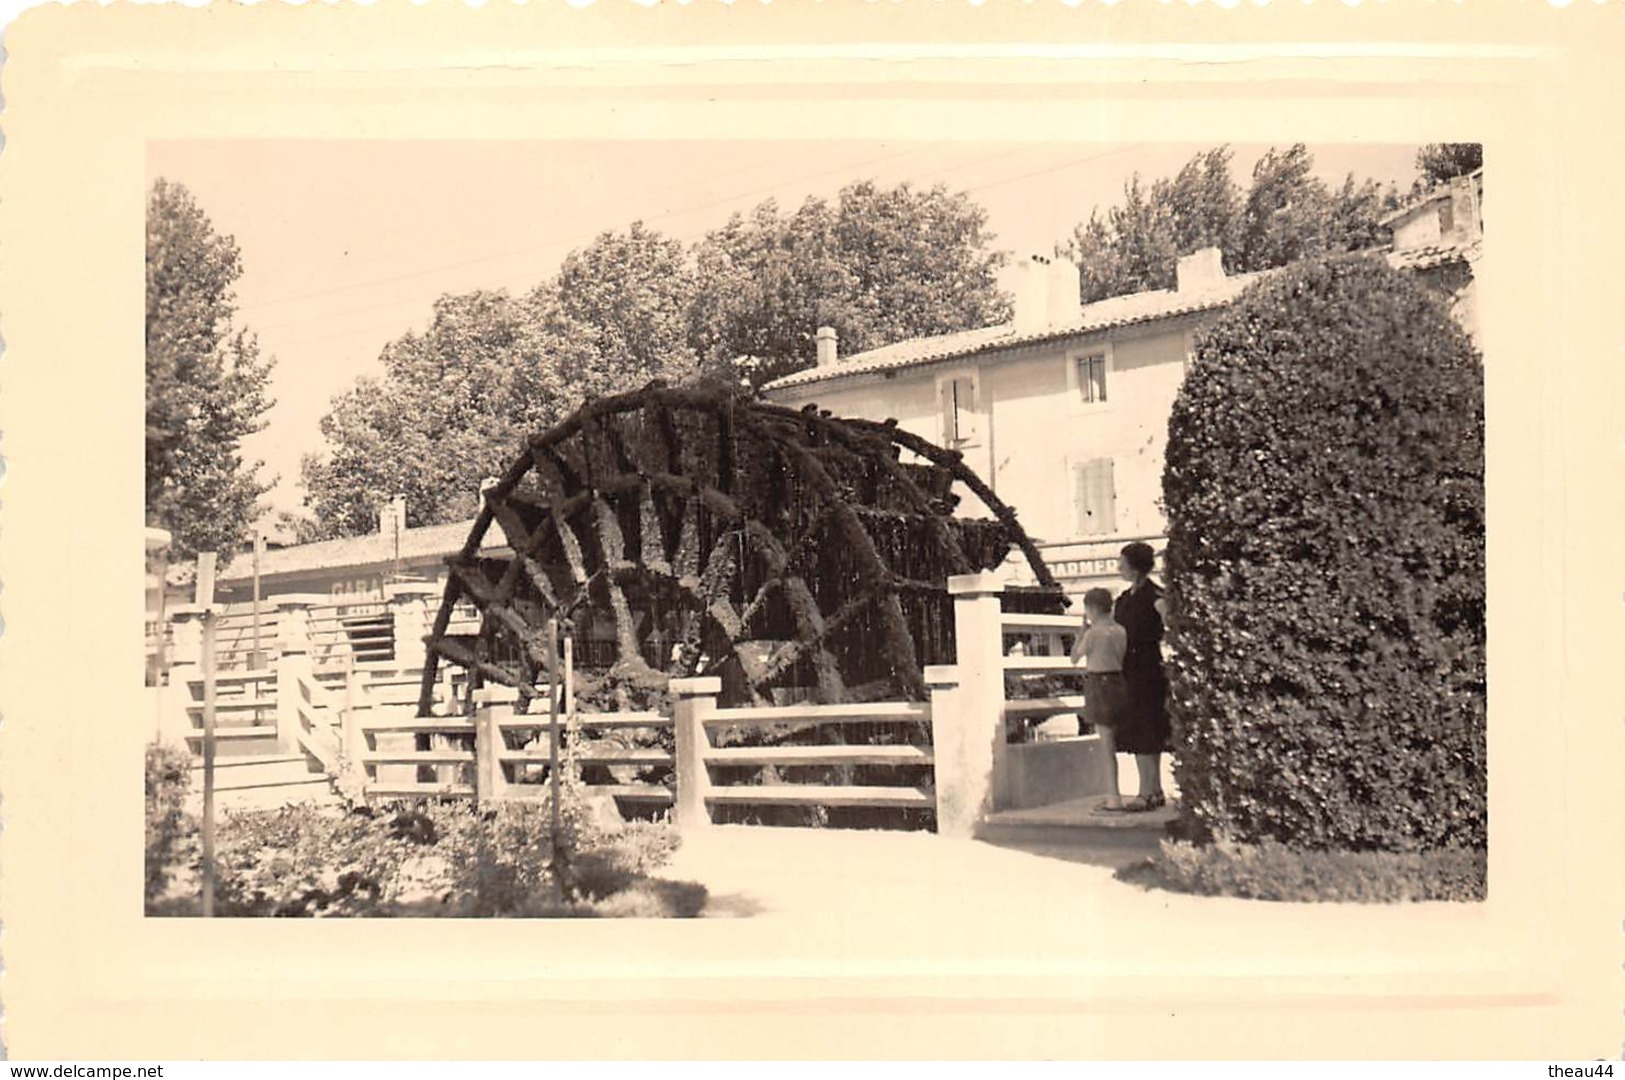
x=1533 y=972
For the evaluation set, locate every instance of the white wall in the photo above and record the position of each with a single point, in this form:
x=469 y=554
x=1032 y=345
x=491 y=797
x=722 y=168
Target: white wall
x=1419 y=230
x=1037 y=434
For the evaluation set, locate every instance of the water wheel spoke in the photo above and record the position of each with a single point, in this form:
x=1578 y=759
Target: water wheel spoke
x=626 y=637
x=539 y=578
x=572 y=549
x=472 y=582
x=614 y=435
x=514 y=529
x=721 y=568
x=557 y=476
x=652 y=534
x=460 y=654
x=686 y=560
x=610 y=540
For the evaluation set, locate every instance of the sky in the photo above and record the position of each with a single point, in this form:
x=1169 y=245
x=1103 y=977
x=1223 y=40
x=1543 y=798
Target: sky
x=346 y=245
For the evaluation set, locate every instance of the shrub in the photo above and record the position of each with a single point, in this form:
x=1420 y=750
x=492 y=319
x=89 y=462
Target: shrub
x=305 y=860
x=448 y=859
x=1273 y=871
x=1324 y=491
x=169 y=777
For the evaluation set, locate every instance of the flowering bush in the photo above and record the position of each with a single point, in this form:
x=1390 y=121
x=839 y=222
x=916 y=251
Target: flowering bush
x=1325 y=496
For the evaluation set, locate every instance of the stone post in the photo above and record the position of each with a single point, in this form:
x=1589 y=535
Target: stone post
x=293 y=666
x=967 y=708
x=409 y=607
x=407 y=602
x=185 y=665
x=352 y=728
x=953 y=818
x=493 y=707
x=696 y=701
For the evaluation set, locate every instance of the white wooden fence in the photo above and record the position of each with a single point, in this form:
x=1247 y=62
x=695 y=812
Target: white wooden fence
x=348 y=699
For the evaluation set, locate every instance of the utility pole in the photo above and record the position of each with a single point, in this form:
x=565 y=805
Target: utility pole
x=397 y=516
x=553 y=743
x=259 y=549
x=203 y=594
x=208 y=761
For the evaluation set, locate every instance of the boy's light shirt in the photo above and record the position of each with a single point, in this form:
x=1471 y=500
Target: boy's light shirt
x=1109 y=648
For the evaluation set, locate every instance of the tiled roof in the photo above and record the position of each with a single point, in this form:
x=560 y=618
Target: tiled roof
x=426 y=542
x=1426 y=258
x=1107 y=314
x=1117 y=311
x=1431 y=195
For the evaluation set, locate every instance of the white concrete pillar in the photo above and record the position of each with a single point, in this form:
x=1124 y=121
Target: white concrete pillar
x=493 y=707
x=968 y=737
x=185 y=665
x=409 y=608
x=293 y=666
x=696 y=700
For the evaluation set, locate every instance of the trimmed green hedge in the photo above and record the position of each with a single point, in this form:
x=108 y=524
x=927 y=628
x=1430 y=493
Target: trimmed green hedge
x=1325 y=495
x=1273 y=871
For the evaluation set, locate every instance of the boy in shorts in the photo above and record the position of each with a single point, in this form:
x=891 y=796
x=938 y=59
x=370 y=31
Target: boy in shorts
x=1100 y=649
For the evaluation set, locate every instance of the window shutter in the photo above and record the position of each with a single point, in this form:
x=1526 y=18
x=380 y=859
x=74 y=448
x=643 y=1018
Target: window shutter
x=965 y=412
x=1090 y=373
x=1096 y=497
x=957 y=405
x=945 y=411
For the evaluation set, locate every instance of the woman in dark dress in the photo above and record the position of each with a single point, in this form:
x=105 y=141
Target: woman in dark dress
x=1146 y=732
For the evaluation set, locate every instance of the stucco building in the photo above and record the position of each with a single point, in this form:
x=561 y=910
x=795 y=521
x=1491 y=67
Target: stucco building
x=1064 y=410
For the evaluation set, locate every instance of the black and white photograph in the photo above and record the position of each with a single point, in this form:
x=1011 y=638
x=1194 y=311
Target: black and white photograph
x=676 y=529
x=789 y=533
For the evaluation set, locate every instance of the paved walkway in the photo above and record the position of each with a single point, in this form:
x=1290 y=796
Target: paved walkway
x=836 y=873
x=846 y=903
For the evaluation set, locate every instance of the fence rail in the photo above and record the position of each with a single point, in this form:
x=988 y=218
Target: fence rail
x=342 y=682
x=699 y=790
x=509 y=762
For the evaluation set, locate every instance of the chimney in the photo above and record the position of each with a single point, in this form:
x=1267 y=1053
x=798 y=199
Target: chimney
x=829 y=350
x=1200 y=269
x=1464 y=219
x=392 y=516
x=1065 y=292
x=1032 y=295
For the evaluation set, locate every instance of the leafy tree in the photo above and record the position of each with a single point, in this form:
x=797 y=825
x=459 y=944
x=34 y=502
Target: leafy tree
x=1289 y=215
x=1439 y=163
x=631 y=293
x=206 y=381
x=879 y=265
x=1137 y=244
x=451 y=406
x=453 y=402
x=456 y=401
x=1205 y=203
x=1285 y=215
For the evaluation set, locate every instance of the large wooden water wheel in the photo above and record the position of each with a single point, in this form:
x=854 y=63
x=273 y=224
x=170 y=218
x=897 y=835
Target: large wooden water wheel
x=702 y=532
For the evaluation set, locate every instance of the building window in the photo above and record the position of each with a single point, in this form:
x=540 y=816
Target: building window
x=1088 y=374
x=1096 y=497
x=959 y=416
x=1091 y=378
